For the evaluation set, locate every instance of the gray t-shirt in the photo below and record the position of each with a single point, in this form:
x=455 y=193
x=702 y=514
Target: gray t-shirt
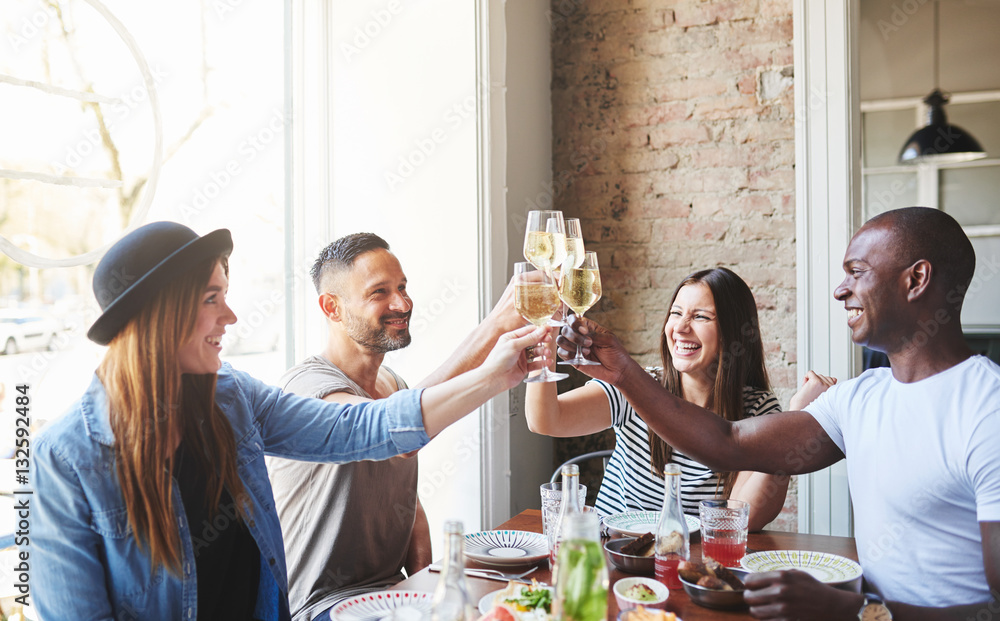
x=346 y=527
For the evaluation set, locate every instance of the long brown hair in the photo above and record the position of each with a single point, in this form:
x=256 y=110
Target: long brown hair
x=152 y=405
x=740 y=363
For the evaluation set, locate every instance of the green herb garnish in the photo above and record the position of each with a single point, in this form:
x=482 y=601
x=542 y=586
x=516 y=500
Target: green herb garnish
x=532 y=599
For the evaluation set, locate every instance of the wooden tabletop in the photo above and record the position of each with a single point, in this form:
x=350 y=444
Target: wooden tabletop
x=678 y=602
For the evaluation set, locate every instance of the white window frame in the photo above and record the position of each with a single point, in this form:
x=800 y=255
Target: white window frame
x=309 y=98
x=928 y=174
x=827 y=209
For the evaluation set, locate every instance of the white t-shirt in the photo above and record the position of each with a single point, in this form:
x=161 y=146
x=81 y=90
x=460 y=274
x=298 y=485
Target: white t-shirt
x=923 y=464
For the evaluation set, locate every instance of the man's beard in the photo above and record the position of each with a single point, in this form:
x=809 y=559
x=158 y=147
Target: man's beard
x=378 y=340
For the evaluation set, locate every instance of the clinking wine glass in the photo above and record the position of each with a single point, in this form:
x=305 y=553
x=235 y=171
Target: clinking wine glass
x=574 y=244
x=580 y=288
x=536 y=297
x=545 y=239
x=573 y=259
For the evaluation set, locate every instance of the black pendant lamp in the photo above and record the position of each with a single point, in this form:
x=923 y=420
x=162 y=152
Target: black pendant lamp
x=939 y=142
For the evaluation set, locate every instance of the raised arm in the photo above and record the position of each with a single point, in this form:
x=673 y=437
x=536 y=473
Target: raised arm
x=503 y=369
x=765 y=493
x=579 y=412
x=781 y=443
x=297 y=427
x=478 y=344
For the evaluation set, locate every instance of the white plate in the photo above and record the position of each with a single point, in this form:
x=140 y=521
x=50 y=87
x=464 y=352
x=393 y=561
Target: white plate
x=828 y=568
x=378 y=604
x=506 y=547
x=638 y=523
x=486 y=603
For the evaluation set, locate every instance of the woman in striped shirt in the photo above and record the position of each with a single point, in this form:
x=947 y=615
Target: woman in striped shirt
x=713 y=357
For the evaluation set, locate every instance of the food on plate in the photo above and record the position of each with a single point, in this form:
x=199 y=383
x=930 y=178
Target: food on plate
x=641 y=593
x=525 y=598
x=718 y=576
x=642 y=546
x=711 y=582
x=522 y=602
x=670 y=544
x=641 y=614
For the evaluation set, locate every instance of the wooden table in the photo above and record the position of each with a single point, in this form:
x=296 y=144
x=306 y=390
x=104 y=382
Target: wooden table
x=531 y=520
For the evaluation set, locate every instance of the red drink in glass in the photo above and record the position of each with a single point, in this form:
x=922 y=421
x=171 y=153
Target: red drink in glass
x=666 y=572
x=725 y=546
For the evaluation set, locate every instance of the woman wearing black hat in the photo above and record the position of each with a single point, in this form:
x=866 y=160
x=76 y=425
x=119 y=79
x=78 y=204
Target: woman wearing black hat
x=151 y=496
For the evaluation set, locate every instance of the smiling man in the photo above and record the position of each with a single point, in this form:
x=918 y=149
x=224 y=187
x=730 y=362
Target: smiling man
x=919 y=438
x=352 y=528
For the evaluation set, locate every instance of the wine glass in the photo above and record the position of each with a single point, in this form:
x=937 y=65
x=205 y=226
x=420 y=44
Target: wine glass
x=580 y=288
x=574 y=243
x=545 y=239
x=536 y=297
x=574 y=257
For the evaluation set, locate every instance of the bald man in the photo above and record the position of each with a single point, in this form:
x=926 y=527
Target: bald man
x=920 y=438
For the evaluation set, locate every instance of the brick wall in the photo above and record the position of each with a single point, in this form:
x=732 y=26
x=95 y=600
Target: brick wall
x=673 y=143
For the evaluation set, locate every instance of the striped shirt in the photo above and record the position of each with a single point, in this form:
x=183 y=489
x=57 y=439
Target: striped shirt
x=629 y=484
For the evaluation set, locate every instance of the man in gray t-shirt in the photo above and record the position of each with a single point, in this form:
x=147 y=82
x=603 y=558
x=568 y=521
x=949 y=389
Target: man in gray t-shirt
x=353 y=528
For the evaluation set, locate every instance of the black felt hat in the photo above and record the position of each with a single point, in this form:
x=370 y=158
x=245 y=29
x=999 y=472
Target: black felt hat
x=141 y=263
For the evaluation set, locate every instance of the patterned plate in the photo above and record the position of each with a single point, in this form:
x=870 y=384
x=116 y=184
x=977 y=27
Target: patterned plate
x=637 y=523
x=506 y=547
x=414 y=604
x=828 y=568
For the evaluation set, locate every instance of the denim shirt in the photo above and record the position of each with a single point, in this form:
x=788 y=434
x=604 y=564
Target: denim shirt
x=86 y=563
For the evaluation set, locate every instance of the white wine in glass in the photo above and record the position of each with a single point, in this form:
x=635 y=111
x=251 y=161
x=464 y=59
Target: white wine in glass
x=536 y=298
x=580 y=288
x=574 y=243
x=545 y=239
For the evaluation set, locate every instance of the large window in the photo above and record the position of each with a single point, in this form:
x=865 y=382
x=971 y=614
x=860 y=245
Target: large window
x=117 y=113
x=966 y=190
x=899 y=65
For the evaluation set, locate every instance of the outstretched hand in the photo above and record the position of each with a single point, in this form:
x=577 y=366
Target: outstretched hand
x=504 y=317
x=509 y=361
x=792 y=595
x=599 y=345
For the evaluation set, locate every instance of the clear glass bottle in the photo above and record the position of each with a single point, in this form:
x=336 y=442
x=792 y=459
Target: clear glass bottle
x=569 y=504
x=582 y=581
x=672 y=541
x=451 y=599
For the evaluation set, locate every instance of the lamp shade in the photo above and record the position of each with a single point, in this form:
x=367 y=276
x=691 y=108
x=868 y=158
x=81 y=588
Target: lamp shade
x=939 y=141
